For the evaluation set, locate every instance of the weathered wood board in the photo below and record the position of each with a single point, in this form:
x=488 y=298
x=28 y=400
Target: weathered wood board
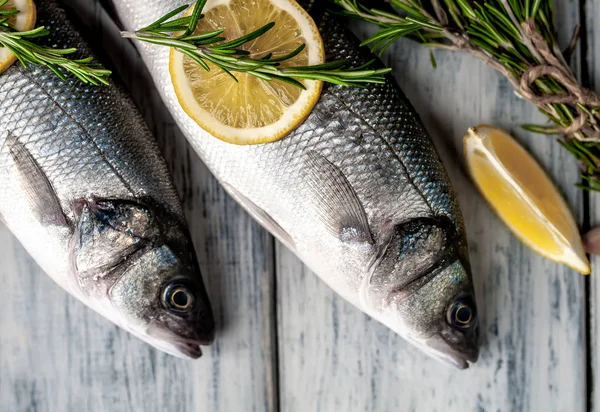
x=286 y=342
x=591 y=60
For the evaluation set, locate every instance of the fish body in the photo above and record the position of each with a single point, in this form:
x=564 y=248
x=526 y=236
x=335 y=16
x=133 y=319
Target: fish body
x=357 y=192
x=85 y=190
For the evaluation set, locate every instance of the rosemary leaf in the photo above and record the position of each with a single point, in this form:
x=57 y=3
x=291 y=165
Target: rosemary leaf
x=515 y=37
x=229 y=55
x=57 y=60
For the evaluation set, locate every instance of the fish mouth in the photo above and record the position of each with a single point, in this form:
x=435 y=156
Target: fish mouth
x=190 y=350
x=458 y=360
x=166 y=340
x=437 y=347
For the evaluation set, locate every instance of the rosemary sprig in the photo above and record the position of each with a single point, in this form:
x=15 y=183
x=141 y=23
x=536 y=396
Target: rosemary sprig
x=228 y=55
x=515 y=37
x=56 y=60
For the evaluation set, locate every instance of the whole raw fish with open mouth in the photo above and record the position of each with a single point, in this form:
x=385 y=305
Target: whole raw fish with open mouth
x=357 y=192
x=84 y=188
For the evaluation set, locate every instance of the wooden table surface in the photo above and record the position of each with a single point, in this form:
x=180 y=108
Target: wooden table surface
x=285 y=341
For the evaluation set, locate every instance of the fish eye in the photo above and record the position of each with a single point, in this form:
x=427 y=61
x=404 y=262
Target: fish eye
x=178 y=298
x=461 y=314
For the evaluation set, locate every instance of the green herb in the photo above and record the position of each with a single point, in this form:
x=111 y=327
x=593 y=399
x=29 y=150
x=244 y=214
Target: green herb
x=211 y=47
x=515 y=37
x=56 y=60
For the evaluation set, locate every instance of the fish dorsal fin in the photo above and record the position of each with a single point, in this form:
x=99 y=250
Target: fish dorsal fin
x=337 y=204
x=38 y=190
x=263 y=218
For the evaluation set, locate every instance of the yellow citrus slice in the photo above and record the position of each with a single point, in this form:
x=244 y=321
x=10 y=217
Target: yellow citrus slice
x=252 y=110
x=23 y=21
x=523 y=196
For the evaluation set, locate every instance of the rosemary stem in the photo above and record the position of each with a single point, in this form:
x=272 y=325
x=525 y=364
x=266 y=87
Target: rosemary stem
x=516 y=38
x=29 y=53
x=230 y=56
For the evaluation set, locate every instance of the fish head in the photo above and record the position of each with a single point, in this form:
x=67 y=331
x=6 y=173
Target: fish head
x=144 y=273
x=427 y=289
x=162 y=302
x=441 y=317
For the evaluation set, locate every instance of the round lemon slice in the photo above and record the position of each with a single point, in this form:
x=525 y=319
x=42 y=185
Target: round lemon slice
x=523 y=196
x=23 y=21
x=252 y=110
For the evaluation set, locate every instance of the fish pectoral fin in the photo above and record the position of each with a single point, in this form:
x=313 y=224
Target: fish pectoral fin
x=337 y=204
x=38 y=190
x=263 y=218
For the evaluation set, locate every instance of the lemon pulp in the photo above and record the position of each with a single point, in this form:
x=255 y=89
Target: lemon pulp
x=523 y=196
x=251 y=110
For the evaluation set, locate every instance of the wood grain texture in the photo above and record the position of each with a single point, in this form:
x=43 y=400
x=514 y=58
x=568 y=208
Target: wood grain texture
x=57 y=355
x=332 y=357
x=592 y=47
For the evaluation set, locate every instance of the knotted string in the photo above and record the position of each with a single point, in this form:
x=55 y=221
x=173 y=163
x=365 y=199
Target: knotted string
x=575 y=95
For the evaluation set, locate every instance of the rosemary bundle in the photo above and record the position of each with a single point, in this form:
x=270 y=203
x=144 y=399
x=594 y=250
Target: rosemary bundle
x=515 y=37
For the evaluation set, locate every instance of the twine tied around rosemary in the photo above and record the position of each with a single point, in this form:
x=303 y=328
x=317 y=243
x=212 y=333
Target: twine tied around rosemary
x=575 y=95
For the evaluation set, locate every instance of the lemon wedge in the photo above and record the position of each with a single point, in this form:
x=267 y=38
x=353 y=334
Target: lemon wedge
x=23 y=21
x=252 y=110
x=523 y=196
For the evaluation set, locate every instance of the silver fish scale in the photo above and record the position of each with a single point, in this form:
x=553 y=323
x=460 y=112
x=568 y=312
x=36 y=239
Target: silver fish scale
x=334 y=131
x=88 y=139
x=84 y=188
x=397 y=124
x=374 y=140
x=88 y=142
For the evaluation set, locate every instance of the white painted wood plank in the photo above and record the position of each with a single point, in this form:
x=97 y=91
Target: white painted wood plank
x=593 y=63
x=57 y=355
x=332 y=357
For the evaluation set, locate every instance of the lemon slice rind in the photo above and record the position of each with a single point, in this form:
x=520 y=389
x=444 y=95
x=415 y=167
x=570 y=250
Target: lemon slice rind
x=294 y=114
x=23 y=21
